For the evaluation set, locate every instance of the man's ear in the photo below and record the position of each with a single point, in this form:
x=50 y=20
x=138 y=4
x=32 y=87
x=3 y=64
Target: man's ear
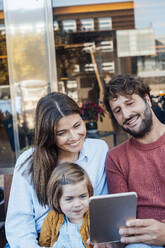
x=148 y=100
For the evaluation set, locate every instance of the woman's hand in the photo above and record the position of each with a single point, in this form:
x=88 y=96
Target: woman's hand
x=148 y=231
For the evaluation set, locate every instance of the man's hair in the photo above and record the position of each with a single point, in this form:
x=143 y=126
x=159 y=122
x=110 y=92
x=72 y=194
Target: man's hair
x=124 y=85
x=63 y=174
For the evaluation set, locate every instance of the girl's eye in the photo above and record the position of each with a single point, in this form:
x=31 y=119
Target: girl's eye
x=68 y=199
x=83 y=196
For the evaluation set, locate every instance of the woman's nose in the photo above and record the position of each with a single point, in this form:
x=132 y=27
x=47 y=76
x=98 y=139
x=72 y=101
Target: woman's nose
x=73 y=134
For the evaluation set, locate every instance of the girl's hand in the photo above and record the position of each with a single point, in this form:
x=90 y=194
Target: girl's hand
x=105 y=245
x=102 y=245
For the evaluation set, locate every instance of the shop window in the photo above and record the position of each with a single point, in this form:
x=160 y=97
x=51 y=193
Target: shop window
x=108 y=66
x=87 y=24
x=105 y=23
x=89 y=67
x=69 y=25
x=105 y=46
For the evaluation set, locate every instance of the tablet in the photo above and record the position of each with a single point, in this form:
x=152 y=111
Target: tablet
x=107 y=213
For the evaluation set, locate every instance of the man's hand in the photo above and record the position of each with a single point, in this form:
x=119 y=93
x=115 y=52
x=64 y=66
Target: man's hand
x=148 y=231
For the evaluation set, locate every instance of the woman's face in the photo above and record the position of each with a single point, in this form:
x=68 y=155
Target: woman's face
x=70 y=133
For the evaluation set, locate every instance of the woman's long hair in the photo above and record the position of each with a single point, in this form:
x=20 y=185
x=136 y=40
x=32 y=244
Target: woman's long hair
x=50 y=109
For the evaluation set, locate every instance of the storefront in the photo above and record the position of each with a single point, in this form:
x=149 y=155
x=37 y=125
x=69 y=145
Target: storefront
x=74 y=49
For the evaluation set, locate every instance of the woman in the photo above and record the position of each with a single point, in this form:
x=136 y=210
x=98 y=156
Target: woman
x=59 y=137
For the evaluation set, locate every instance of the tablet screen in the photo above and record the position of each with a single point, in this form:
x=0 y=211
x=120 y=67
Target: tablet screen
x=108 y=213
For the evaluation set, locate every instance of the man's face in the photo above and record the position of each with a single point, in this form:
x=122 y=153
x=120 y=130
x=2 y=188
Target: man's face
x=133 y=114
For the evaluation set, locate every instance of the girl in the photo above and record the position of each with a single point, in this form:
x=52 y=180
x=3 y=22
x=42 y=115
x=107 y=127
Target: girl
x=59 y=137
x=68 y=192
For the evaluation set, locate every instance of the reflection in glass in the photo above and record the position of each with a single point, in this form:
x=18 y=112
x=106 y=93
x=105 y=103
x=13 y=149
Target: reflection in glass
x=128 y=37
x=30 y=44
x=7 y=148
x=105 y=23
x=69 y=25
x=85 y=49
x=87 y=24
x=112 y=37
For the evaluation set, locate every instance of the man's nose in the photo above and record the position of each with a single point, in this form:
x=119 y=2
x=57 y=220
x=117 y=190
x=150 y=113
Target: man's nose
x=125 y=113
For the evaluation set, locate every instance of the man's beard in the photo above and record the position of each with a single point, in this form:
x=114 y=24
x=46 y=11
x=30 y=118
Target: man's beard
x=145 y=126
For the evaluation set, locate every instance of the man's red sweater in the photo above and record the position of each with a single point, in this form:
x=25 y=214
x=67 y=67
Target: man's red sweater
x=133 y=166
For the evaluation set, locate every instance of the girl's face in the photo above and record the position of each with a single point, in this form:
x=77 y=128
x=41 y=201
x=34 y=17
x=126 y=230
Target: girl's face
x=70 y=133
x=74 y=201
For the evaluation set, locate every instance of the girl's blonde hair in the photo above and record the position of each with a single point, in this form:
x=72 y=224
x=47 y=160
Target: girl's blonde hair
x=63 y=174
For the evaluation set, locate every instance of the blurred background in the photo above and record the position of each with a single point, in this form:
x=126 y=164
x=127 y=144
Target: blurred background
x=74 y=48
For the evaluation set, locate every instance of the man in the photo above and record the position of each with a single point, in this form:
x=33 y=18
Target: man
x=139 y=163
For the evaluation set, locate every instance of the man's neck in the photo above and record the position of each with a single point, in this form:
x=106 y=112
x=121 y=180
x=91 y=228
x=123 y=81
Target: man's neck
x=157 y=130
